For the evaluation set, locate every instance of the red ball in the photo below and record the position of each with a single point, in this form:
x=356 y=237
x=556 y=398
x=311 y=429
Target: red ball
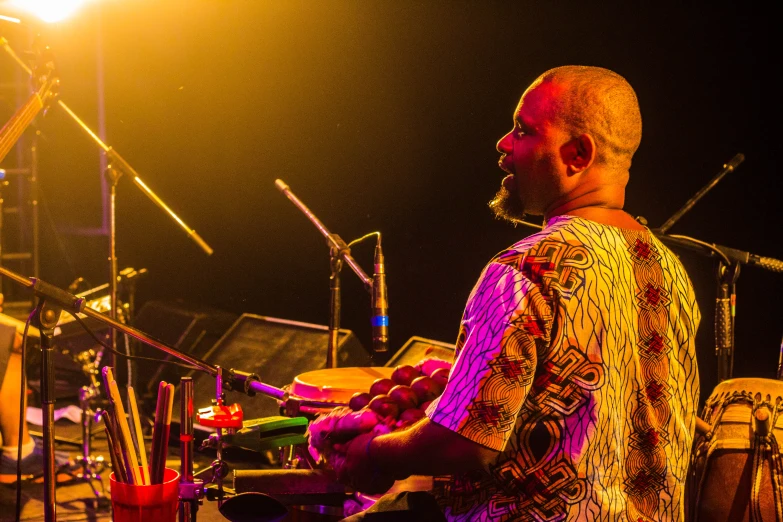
x=405 y=374
x=384 y=406
x=441 y=377
x=404 y=397
x=425 y=388
x=359 y=400
x=381 y=387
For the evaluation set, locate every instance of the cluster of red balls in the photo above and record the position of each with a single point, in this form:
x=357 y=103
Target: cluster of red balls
x=403 y=399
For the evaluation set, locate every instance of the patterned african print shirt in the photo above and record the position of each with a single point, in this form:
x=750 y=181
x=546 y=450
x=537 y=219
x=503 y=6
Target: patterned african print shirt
x=575 y=359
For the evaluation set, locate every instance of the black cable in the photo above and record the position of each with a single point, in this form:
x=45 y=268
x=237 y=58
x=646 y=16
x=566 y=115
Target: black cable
x=715 y=251
x=134 y=357
x=22 y=418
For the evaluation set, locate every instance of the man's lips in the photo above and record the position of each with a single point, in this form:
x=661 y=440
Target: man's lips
x=509 y=182
x=502 y=164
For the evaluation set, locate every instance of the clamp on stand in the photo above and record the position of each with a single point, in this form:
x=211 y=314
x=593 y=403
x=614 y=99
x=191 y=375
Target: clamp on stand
x=221 y=417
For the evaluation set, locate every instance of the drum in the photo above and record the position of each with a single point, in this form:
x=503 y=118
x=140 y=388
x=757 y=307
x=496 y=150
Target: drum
x=323 y=390
x=736 y=471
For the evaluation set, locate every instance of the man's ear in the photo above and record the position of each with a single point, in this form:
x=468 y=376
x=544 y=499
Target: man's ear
x=578 y=154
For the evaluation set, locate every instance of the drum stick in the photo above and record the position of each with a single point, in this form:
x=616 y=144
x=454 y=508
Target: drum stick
x=114 y=449
x=129 y=453
x=107 y=375
x=164 y=446
x=157 y=433
x=162 y=427
x=134 y=412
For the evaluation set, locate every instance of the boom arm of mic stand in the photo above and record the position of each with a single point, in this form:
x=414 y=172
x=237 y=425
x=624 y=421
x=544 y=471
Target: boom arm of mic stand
x=727 y=168
x=332 y=240
x=236 y=380
x=118 y=160
x=726 y=254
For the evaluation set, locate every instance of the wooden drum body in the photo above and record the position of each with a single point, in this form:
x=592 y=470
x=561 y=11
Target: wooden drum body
x=736 y=469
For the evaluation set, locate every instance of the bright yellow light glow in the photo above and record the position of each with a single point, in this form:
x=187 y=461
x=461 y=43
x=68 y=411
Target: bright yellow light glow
x=10 y=19
x=49 y=11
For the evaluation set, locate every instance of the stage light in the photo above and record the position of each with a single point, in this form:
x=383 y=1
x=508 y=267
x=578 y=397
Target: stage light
x=49 y=11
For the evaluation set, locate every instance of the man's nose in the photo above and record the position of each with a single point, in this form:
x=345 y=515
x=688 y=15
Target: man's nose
x=505 y=146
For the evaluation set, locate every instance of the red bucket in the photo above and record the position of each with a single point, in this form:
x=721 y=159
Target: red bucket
x=156 y=502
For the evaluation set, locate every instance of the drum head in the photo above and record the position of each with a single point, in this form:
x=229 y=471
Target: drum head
x=752 y=385
x=337 y=385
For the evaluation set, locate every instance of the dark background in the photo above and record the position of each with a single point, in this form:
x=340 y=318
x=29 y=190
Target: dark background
x=384 y=115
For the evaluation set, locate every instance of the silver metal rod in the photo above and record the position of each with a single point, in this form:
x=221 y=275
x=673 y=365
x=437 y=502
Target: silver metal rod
x=253 y=385
x=119 y=161
x=186 y=444
x=330 y=238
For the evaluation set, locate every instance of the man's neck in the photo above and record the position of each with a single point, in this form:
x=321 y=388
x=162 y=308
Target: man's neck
x=602 y=204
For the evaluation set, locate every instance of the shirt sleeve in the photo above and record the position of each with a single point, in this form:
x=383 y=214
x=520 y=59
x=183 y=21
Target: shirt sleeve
x=506 y=319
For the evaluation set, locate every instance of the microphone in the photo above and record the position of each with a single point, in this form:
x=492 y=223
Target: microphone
x=380 y=303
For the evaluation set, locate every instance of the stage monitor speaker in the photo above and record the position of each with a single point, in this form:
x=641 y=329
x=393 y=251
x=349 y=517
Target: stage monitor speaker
x=418 y=348
x=277 y=350
x=188 y=327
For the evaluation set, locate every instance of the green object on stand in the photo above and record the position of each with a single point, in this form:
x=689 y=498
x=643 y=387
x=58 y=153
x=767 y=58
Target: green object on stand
x=269 y=433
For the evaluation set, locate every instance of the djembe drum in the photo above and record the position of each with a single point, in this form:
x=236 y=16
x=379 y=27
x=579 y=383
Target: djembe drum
x=736 y=471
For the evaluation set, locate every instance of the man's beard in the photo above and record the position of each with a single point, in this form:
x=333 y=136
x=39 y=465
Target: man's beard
x=507 y=206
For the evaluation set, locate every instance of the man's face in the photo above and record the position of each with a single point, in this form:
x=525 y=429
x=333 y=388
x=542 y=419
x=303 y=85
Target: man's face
x=531 y=156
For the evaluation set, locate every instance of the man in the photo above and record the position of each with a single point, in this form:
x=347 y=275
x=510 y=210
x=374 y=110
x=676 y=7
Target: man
x=574 y=385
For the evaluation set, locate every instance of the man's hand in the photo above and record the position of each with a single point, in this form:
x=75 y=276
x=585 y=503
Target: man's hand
x=357 y=471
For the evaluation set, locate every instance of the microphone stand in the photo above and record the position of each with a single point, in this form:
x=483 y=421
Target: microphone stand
x=116 y=168
x=339 y=253
x=727 y=168
x=729 y=262
x=52 y=301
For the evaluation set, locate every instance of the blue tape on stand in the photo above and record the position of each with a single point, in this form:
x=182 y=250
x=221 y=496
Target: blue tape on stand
x=380 y=320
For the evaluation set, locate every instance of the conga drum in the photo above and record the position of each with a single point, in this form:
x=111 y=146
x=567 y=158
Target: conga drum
x=736 y=471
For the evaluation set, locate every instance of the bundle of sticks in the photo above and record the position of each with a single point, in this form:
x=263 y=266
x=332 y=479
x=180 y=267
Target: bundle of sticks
x=127 y=451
